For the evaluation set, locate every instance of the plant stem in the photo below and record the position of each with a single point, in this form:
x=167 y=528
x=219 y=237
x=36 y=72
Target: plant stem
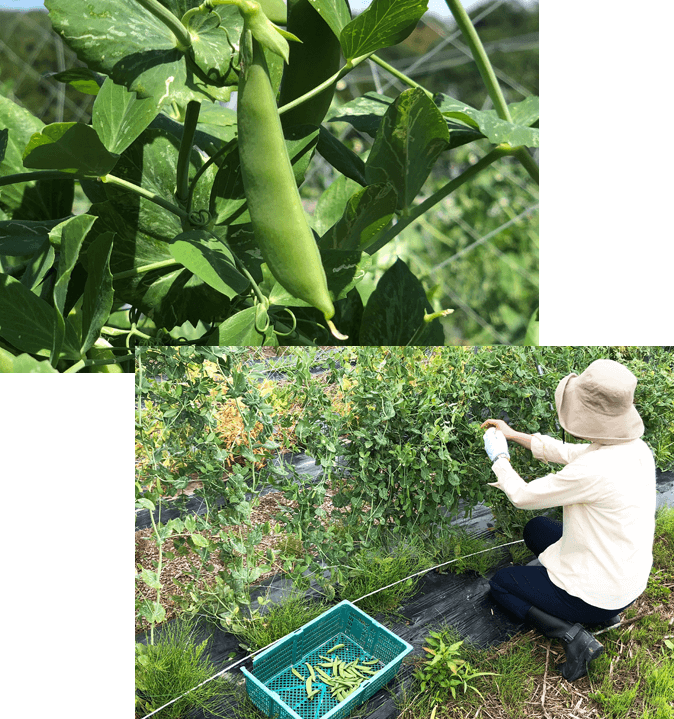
x=325 y=84
x=75 y=368
x=165 y=16
x=489 y=78
x=112 y=180
x=183 y=169
x=38 y=175
x=213 y=3
x=528 y=162
x=418 y=210
x=145 y=268
x=160 y=543
x=95 y=363
x=480 y=56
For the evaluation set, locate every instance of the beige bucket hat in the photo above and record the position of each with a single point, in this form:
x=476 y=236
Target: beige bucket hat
x=599 y=404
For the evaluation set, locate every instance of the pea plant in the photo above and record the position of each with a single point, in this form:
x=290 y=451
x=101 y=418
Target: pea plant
x=412 y=417
x=172 y=384
x=194 y=228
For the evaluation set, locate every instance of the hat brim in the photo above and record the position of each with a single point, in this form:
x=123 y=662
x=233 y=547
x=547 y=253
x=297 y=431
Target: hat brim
x=588 y=424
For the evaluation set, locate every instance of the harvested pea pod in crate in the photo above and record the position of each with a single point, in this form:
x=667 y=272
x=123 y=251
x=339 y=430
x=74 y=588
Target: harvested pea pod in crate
x=327 y=667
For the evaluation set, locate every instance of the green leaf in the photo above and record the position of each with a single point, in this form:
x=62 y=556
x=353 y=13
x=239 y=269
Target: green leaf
x=23 y=364
x=211 y=49
x=336 y=13
x=498 y=131
x=24 y=237
x=38 y=266
x=70 y=236
x=490 y=125
x=209 y=258
x=4 y=138
x=176 y=525
x=382 y=24
x=411 y=136
x=228 y=199
x=81 y=78
x=118 y=117
x=153 y=612
x=365 y=113
x=395 y=310
x=23 y=200
x=98 y=294
x=123 y=40
x=525 y=112
x=199 y=540
x=301 y=141
x=144 y=503
x=332 y=203
x=366 y=214
x=27 y=322
x=342 y=158
x=150 y=578
x=70 y=147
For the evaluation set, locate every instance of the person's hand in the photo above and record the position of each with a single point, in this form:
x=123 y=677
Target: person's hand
x=500 y=425
x=495 y=444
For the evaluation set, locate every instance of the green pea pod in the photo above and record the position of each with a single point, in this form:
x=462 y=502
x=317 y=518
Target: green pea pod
x=275 y=10
x=311 y=63
x=279 y=224
x=263 y=30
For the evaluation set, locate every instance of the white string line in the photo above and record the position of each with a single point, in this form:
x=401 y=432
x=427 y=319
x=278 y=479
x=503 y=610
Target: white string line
x=423 y=571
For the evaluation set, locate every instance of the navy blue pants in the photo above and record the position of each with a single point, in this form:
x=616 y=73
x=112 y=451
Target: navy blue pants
x=518 y=588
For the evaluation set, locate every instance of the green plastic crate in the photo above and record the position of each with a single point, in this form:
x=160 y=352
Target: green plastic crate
x=279 y=694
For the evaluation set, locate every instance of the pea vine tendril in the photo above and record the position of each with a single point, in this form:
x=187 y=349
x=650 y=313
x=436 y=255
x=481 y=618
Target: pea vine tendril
x=199 y=218
x=292 y=329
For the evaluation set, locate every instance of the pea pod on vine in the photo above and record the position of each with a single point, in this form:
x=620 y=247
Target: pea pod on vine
x=279 y=224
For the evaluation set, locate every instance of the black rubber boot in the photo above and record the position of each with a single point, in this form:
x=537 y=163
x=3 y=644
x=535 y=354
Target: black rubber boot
x=607 y=624
x=579 y=645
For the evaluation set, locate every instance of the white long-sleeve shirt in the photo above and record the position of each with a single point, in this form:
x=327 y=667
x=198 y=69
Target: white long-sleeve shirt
x=608 y=495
